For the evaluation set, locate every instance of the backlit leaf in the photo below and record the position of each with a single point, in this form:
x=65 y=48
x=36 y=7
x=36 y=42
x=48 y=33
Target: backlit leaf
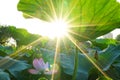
x=88 y=19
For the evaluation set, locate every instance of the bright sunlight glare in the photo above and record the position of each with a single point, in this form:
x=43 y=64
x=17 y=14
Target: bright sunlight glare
x=57 y=28
x=34 y=26
x=118 y=0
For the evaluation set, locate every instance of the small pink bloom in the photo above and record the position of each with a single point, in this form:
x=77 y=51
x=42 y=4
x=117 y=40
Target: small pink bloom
x=40 y=66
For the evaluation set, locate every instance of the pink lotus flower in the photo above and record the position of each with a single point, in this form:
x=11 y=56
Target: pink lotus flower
x=41 y=67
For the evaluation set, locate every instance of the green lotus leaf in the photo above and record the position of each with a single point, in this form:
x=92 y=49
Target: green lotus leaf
x=105 y=59
x=88 y=19
x=4 y=75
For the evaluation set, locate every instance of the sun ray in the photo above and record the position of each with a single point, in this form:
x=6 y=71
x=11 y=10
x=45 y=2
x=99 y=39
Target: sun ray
x=66 y=46
x=72 y=20
x=15 y=54
x=55 y=16
x=74 y=42
x=76 y=34
x=48 y=16
x=61 y=9
x=56 y=56
x=24 y=47
x=51 y=4
x=67 y=14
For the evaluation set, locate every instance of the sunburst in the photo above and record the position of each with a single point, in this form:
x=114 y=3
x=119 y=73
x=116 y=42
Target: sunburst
x=59 y=27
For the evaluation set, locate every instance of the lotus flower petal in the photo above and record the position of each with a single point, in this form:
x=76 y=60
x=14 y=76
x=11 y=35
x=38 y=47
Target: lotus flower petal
x=41 y=66
x=36 y=64
x=41 y=62
x=46 y=66
x=33 y=71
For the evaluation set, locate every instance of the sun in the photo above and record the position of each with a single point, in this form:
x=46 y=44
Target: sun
x=54 y=29
x=59 y=28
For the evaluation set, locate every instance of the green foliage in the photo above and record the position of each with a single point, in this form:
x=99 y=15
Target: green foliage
x=12 y=65
x=4 y=75
x=114 y=73
x=104 y=78
x=105 y=60
x=103 y=43
x=42 y=79
x=83 y=67
x=108 y=56
x=89 y=18
x=4 y=32
x=93 y=74
x=118 y=37
x=5 y=50
x=48 y=55
x=22 y=36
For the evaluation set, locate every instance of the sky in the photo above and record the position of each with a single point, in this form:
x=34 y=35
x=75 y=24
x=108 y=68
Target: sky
x=10 y=16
